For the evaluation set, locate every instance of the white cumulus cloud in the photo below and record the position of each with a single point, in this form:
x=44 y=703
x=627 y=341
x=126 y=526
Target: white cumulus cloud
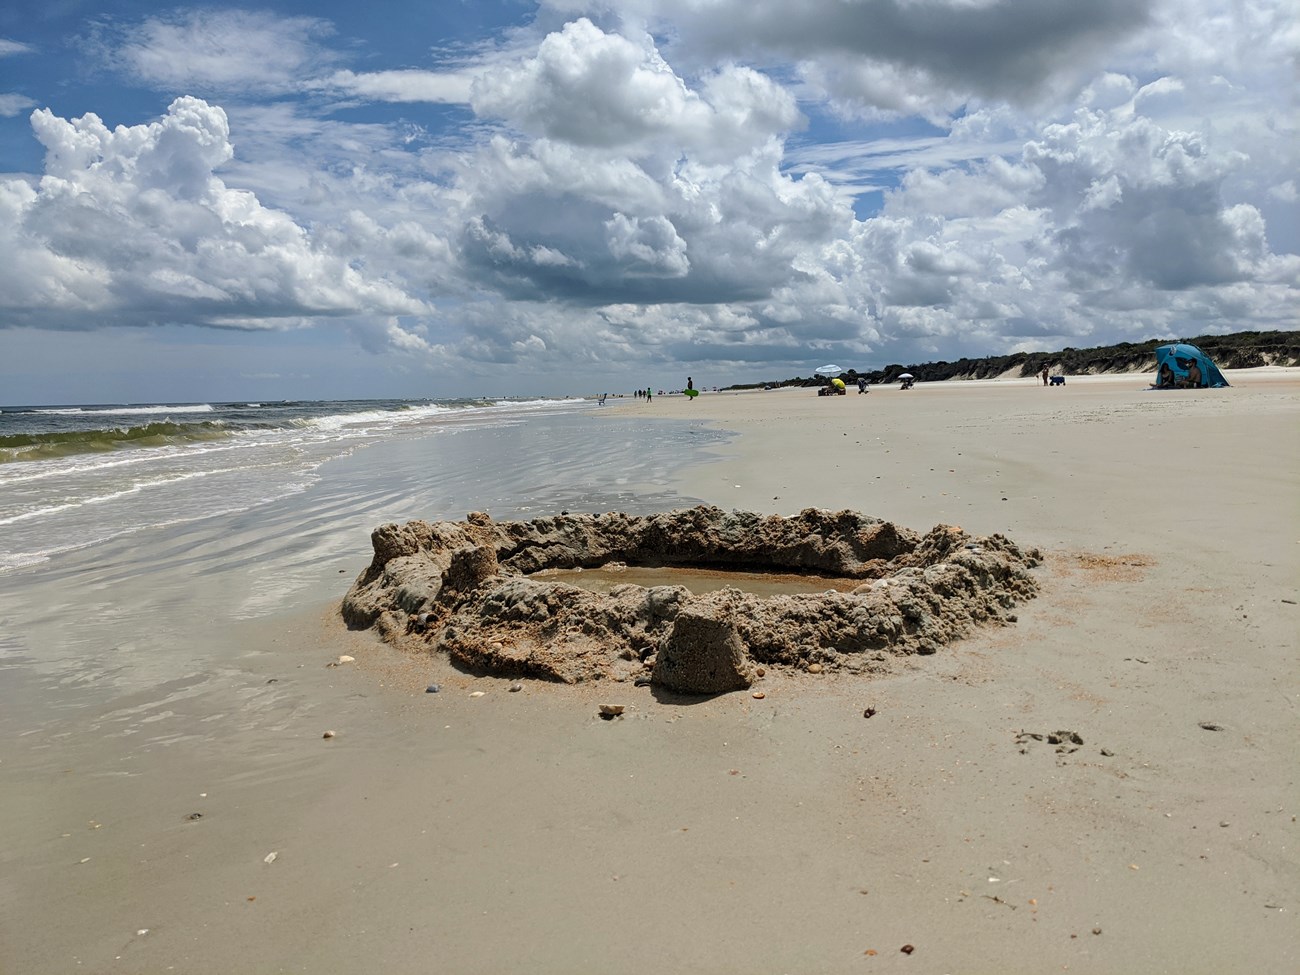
x=133 y=226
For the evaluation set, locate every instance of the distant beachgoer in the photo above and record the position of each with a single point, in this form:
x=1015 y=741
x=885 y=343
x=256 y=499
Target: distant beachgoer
x=690 y=383
x=862 y=385
x=1166 y=380
x=648 y=396
x=1043 y=374
x=1194 y=375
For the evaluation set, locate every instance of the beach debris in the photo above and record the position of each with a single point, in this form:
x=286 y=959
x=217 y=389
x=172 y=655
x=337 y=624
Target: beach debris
x=1096 y=930
x=475 y=585
x=760 y=672
x=194 y=816
x=1107 y=753
x=432 y=689
x=477 y=693
x=907 y=949
x=871 y=951
x=328 y=734
x=869 y=713
x=609 y=712
x=270 y=857
x=642 y=682
x=1066 y=742
x=142 y=932
x=815 y=668
x=758 y=695
x=516 y=687
x=346 y=659
x=1211 y=726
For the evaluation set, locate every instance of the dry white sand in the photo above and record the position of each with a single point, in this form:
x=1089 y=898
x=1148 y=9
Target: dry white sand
x=520 y=833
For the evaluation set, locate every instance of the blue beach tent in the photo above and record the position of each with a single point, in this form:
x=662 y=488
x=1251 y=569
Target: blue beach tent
x=1174 y=364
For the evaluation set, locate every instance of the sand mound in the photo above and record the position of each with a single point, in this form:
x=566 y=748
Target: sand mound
x=462 y=588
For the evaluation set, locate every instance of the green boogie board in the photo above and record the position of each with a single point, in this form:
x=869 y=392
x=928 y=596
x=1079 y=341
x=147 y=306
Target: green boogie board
x=692 y=393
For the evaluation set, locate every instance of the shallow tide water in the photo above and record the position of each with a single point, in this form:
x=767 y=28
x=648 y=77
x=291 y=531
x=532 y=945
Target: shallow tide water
x=141 y=615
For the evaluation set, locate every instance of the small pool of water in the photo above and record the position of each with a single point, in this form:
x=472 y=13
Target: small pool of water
x=698 y=581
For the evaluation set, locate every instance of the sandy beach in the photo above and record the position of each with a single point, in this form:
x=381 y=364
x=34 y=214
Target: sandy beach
x=517 y=832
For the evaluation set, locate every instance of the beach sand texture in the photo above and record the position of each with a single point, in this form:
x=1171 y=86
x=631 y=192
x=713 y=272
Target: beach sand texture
x=792 y=833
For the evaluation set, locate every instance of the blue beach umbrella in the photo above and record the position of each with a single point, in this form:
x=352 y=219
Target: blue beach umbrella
x=829 y=370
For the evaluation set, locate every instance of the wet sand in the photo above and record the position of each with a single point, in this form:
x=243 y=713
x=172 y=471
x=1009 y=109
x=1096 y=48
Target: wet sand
x=519 y=832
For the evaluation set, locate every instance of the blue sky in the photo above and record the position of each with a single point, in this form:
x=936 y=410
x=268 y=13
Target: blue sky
x=406 y=199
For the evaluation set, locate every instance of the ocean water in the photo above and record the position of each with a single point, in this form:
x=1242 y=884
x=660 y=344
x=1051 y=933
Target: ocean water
x=74 y=477
x=124 y=532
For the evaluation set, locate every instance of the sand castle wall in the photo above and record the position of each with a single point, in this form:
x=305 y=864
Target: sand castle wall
x=464 y=589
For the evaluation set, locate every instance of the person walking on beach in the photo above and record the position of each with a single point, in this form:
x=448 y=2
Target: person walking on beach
x=1044 y=375
x=648 y=396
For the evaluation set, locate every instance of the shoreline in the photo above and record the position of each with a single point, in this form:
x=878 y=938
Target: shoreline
x=519 y=832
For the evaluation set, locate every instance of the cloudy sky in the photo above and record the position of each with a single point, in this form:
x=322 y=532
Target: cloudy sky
x=321 y=200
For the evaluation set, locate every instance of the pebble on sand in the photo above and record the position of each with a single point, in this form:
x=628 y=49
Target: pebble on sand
x=328 y=734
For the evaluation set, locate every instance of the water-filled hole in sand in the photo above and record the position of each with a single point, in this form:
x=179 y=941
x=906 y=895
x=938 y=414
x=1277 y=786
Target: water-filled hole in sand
x=697 y=581
x=839 y=589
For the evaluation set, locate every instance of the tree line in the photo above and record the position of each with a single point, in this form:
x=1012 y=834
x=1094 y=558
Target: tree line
x=1241 y=350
